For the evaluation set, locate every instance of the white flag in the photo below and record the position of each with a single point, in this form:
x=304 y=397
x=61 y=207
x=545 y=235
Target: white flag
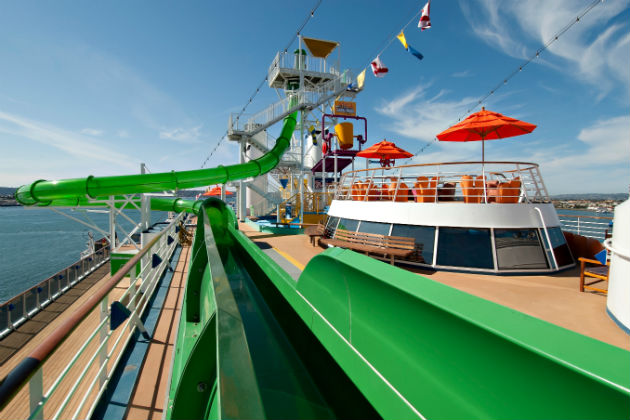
x=425 y=22
x=378 y=68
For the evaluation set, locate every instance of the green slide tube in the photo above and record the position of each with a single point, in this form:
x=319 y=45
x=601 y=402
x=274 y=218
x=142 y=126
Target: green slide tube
x=75 y=192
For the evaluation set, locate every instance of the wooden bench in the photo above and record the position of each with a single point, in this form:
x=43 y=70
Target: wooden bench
x=315 y=231
x=371 y=243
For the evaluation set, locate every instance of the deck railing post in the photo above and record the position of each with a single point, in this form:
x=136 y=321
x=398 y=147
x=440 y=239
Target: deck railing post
x=578 y=225
x=103 y=337
x=24 y=311
x=36 y=395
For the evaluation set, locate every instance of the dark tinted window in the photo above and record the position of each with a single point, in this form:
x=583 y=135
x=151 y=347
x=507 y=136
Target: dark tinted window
x=560 y=247
x=464 y=247
x=374 y=227
x=519 y=249
x=424 y=237
x=331 y=225
x=332 y=222
x=348 y=224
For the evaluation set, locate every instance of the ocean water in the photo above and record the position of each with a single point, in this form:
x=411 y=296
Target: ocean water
x=37 y=243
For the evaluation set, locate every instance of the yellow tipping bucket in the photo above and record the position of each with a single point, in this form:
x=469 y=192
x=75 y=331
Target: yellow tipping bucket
x=344 y=134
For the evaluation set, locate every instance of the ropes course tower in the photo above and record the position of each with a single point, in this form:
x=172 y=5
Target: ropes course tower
x=310 y=80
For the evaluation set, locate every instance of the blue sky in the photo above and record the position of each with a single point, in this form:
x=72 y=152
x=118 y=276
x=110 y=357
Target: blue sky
x=98 y=87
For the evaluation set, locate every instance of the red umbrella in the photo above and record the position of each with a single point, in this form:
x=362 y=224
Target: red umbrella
x=386 y=151
x=485 y=125
x=215 y=192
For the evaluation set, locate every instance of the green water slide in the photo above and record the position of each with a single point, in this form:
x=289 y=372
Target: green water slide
x=76 y=192
x=355 y=337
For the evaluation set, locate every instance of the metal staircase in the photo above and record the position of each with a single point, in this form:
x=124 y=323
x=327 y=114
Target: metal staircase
x=308 y=98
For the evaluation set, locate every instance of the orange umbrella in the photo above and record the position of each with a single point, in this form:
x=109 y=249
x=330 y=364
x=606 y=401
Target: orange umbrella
x=386 y=151
x=485 y=125
x=215 y=192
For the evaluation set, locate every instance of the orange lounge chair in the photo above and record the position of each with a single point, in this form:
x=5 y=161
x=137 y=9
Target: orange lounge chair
x=398 y=191
x=373 y=191
x=358 y=191
x=509 y=192
x=472 y=189
x=426 y=190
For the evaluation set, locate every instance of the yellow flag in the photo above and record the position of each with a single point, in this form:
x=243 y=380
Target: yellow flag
x=361 y=80
x=401 y=38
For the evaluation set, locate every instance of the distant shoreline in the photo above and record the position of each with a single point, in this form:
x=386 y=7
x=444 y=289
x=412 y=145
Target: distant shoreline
x=8 y=202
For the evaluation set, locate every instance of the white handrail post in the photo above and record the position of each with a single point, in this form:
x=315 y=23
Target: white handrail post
x=542 y=219
x=36 y=395
x=103 y=337
x=132 y=291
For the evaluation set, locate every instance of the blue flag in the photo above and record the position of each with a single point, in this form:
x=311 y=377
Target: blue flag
x=601 y=256
x=415 y=52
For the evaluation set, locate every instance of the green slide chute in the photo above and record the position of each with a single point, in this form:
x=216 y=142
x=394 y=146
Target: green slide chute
x=357 y=338
x=78 y=191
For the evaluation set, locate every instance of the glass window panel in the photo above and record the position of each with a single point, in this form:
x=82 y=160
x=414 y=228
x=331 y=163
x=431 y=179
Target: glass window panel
x=348 y=224
x=519 y=249
x=332 y=222
x=331 y=225
x=464 y=247
x=424 y=237
x=559 y=246
x=374 y=227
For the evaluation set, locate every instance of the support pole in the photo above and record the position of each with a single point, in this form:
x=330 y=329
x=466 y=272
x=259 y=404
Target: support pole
x=242 y=205
x=112 y=224
x=145 y=206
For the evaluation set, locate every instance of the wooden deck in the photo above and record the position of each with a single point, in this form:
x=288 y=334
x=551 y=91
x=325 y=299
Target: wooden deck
x=149 y=395
x=160 y=351
x=552 y=298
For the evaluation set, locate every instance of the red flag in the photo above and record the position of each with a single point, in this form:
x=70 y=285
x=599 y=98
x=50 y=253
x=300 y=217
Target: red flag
x=425 y=22
x=378 y=68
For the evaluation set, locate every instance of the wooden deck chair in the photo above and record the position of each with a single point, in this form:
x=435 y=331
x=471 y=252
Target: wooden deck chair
x=596 y=271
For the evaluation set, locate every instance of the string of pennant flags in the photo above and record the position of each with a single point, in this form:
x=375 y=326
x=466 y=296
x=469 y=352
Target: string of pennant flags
x=377 y=66
x=519 y=69
x=379 y=69
x=307 y=18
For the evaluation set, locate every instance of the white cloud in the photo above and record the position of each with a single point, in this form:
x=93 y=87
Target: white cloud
x=184 y=135
x=92 y=132
x=597 y=160
x=462 y=74
x=123 y=134
x=77 y=145
x=418 y=117
x=600 y=58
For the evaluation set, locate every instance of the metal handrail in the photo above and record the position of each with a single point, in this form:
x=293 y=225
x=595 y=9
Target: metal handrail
x=590 y=227
x=72 y=276
x=503 y=182
x=32 y=364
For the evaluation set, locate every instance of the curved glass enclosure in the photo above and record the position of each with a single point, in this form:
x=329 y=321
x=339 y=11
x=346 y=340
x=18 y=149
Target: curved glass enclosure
x=491 y=250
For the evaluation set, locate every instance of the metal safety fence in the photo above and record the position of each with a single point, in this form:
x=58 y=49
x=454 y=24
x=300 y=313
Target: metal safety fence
x=27 y=304
x=71 y=385
x=598 y=227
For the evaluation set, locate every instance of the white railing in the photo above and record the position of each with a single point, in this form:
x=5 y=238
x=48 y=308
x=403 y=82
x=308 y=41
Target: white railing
x=287 y=60
x=469 y=182
x=75 y=390
x=312 y=98
x=597 y=227
x=27 y=304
